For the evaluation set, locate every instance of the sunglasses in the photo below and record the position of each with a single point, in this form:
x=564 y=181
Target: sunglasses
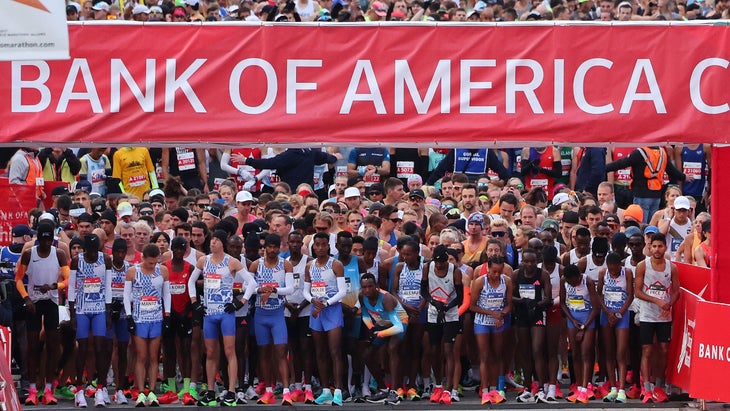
x=498 y=233
x=146 y=213
x=395 y=220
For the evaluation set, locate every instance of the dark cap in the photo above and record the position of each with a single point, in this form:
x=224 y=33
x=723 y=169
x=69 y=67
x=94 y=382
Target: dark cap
x=84 y=185
x=441 y=253
x=60 y=190
x=21 y=230
x=98 y=205
x=86 y=218
x=181 y=213
x=570 y=217
x=375 y=206
x=453 y=213
x=110 y=215
x=179 y=242
x=119 y=244
x=370 y=243
x=157 y=199
x=376 y=188
x=273 y=239
x=249 y=228
x=252 y=242
x=214 y=211
x=611 y=218
x=417 y=193
x=45 y=229
x=92 y=242
x=220 y=235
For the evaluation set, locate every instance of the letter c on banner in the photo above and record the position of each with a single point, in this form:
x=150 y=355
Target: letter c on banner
x=694 y=86
x=234 y=89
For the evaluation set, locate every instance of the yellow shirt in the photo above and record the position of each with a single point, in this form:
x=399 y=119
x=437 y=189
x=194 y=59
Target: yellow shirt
x=132 y=166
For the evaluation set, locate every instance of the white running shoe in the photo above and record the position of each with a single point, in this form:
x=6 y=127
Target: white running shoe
x=120 y=399
x=107 y=400
x=99 y=399
x=251 y=393
x=79 y=399
x=526 y=397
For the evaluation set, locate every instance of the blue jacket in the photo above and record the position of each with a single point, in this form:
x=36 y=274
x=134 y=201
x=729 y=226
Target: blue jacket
x=295 y=165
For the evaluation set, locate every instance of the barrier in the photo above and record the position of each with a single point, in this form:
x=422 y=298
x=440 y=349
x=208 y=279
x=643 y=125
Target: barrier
x=17 y=200
x=8 y=396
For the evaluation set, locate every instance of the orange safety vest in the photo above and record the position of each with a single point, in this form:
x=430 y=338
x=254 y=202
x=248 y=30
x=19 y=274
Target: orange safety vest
x=35 y=172
x=656 y=163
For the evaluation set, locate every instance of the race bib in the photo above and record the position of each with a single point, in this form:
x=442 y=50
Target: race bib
x=494 y=303
x=217 y=183
x=39 y=181
x=136 y=181
x=613 y=296
x=212 y=281
x=274 y=178
x=319 y=289
x=347 y=282
x=527 y=291
x=149 y=304
x=404 y=169
x=371 y=179
x=177 y=289
x=657 y=291
x=576 y=304
x=185 y=161
x=92 y=285
x=624 y=175
x=676 y=242
x=411 y=294
x=539 y=182
x=341 y=171
x=118 y=290
x=237 y=286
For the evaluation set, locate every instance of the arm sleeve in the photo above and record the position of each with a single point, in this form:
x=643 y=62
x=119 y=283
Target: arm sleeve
x=341 y=291
x=107 y=286
x=74 y=164
x=496 y=165
x=249 y=281
x=19 y=274
x=395 y=329
x=555 y=172
x=191 y=282
x=674 y=173
x=65 y=270
x=72 y=286
x=321 y=157
x=225 y=164
x=367 y=320
x=467 y=300
x=166 y=298
x=128 y=298
x=425 y=292
x=288 y=285
x=307 y=292
x=153 y=179
x=446 y=164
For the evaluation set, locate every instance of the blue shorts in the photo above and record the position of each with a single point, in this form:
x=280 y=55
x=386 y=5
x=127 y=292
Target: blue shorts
x=582 y=317
x=328 y=319
x=119 y=327
x=149 y=330
x=270 y=327
x=95 y=322
x=216 y=325
x=622 y=323
x=488 y=329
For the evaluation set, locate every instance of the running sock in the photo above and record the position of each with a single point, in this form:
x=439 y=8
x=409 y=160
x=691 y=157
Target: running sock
x=308 y=387
x=659 y=383
x=326 y=391
x=286 y=391
x=193 y=386
x=500 y=383
x=338 y=391
x=427 y=381
x=551 y=390
x=647 y=386
x=171 y=384
x=32 y=386
x=269 y=389
x=485 y=390
x=297 y=385
x=186 y=383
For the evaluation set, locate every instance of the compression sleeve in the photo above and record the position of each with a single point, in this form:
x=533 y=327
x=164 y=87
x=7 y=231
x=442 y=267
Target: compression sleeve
x=288 y=288
x=19 y=274
x=107 y=286
x=459 y=297
x=367 y=320
x=128 y=297
x=341 y=291
x=191 y=282
x=226 y=164
x=166 y=298
x=307 y=292
x=397 y=327
x=464 y=307
x=153 y=179
x=65 y=270
x=249 y=281
x=72 y=286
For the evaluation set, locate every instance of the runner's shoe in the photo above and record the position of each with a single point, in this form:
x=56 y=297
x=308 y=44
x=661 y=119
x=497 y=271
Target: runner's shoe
x=120 y=398
x=526 y=397
x=287 y=399
x=660 y=395
x=141 y=400
x=513 y=385
x=229 y=399
x=558 y=393
x=497 y=397
x=486 y=398
x=208 y=400
x=412 y=395
x=260 y=388
x=401 y=393
x=99 y=399
x=427 y=391
x=251 y=394
x=582 y=397
x=90 y=390
x=241 y=397
x=80 y=399
x=611 y=395
x=297 y=395
x=647 y=397
x=436 y=394
x=634 y=392
x=308 y=397
x=49 y=399
x=621 y=397
x=168 y=398
x=64 y=392
x=541 y=397
x=152 y=400
x=573 y=397
x=445 y=398
x=32 y=398
x=267 y=398
x=337 y=398
x=357 y=396
x=393 y=398
x=590 y=392
x=187 y=399
x=378 y=398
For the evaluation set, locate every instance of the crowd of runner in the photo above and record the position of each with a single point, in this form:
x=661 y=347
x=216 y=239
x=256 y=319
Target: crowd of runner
x=396 y=10
x=351 y=274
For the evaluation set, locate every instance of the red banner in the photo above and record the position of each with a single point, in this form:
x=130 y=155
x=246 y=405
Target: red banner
x=720 y=221
x=17 y=200
x=399 y=85
x=684 y=321
x=8 y=396
x=695 y=279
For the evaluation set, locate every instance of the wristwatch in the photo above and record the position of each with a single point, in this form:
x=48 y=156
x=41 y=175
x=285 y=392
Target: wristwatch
x=619 y=316
x=582 y=326
x=326 y=303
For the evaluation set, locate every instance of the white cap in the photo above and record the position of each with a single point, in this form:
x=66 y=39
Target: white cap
x=352 y=192
x=75 y=4
x=331 y=189
x=233 y=8
x=124 y=209
x=681 y=202
x=156 y=191
x=561 y=198
x=101 y=6
x=243 y=196
x=140 y=8
x=47 y=216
